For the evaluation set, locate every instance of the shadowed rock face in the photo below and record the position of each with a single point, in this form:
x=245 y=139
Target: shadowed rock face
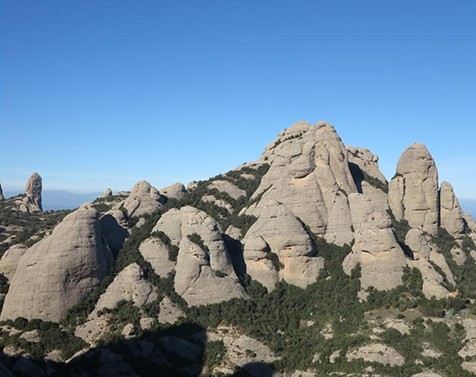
x=58 y=271
x=413 y=192
x=1 y=194
x=33 y=189
x=309 y=173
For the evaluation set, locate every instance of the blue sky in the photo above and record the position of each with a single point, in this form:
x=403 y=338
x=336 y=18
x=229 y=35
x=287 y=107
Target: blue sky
x=97 y=94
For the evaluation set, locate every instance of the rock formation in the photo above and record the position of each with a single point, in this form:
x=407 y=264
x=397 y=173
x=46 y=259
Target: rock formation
x=278 y=247
x=107 y=193
x=175 y=191
x=367 y=176
x=143 y=199
x=128 y=285
x=425 y=258
x=58 y=271
x=204 y=273
x=413 y=192
x=375 y=248
x=31 y=201
x=451 y=215
x=2 y=198
x=309 y=173
x=9 y=261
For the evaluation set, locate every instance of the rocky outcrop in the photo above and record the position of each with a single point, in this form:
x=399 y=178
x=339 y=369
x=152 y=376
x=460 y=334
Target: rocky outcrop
x=309 y=174
x=58 y=271
x=156 y=253
x=367 y=176
x=107 y=193
x=413 y=192
x=228 y=188
x=204 y=273
x=143 y=199
x=377 y=353
x=175 y=191
x=169 y=312
x=451 y=214
x=114 y=226
x=129 y=285
x=375 y=249
x=10 y=260
x=2 y=198
x=31 y=201
x=278 y=247
x=432 y=265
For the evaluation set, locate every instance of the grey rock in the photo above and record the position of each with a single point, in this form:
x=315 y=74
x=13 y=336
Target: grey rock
x=451 y=214
x=107 y=193
x=169 y=312
x=128 y=285
x=309 y=167
x=61 y=269
x=425 y=257
x=9 y=261
x=175 y=191
x=143 y=199
x=413 y=192
x=2 y=198
x=377 y=353
x=380 y=256
x=156 y=253
x=228 y=188
x=363 y=164
x=202 y=276
x=278 y=231
x=32 y=199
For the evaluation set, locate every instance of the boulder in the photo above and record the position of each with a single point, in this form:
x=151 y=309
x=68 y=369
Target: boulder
x=309 y=174
x=33 y=193
x=376 y=250
x=204 y=272
x=175 y=191
x=143 y=199
x=413 y=192
x=451 y=214
x=59 y=270
x=156 y=253
x=129 y=285
x=107 y=193
x=279 y=232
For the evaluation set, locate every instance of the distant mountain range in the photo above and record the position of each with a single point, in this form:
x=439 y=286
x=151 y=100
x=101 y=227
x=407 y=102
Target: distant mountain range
x=56 y=199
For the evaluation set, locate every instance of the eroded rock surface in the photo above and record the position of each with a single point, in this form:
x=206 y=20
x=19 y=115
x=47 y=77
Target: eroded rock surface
x=413 y=192
x=376 y=249
x=143 y=199
x=279 y=232
x=309 y=174
x=59 y=270
x=451 y=214
x=204 y=273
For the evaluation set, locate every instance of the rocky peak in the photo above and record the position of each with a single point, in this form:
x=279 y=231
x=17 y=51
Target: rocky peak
x=33 y=189
x=1 y=193
x=309 y=174
x=451 y=215
x=144 y=198
x=413 y=192
x=58 y=271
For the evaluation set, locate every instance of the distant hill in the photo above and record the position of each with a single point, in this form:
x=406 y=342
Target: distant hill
x=56 y=199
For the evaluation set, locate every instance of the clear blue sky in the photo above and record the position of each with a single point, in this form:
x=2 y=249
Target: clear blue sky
x=97 y=94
